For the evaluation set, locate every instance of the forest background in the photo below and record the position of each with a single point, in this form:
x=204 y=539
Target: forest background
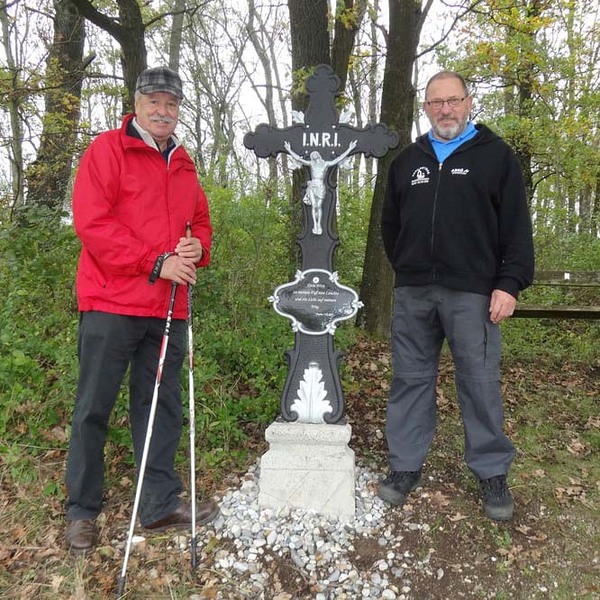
x=67 y=72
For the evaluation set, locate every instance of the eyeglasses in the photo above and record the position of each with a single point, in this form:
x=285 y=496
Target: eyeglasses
x=451 y=102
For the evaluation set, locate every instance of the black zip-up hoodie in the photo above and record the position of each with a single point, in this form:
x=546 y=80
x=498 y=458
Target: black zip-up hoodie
x=462 y=224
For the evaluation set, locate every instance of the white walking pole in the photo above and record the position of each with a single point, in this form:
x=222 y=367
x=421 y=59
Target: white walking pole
x=153 y=405
x=192 y=424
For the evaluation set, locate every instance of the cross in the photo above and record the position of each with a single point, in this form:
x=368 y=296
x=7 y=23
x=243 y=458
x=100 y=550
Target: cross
x=322 y=141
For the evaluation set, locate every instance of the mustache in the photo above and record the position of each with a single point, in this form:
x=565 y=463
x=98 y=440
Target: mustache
x=167 y=120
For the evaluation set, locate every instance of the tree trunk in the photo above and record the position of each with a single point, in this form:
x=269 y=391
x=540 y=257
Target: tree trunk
x=48 y=176
x=373 y=72
x=129 y=33
x=347 y=23
x=133 y=57
x=14 y=100
x=176 y=34
x=348 y=19
x=309 y=26
x=526 y=76
x=310 y=47
x=595 y=209
x=397 y=108
x=253 y=27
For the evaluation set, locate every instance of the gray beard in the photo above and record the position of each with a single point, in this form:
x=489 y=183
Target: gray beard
x=450 y=131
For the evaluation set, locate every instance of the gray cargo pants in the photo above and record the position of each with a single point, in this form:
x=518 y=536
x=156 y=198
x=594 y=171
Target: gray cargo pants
x=423 y=317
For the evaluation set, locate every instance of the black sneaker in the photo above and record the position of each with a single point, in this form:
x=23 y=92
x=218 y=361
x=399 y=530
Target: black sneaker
x=396 y=486
x=498 y=503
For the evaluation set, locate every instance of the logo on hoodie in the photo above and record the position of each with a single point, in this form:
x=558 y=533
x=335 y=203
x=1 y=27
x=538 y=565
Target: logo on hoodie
x=420 y=175
x=460 y=171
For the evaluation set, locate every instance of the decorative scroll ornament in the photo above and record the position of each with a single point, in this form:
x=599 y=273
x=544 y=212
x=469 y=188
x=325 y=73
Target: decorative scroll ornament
x=310 y=405
x=315 y=302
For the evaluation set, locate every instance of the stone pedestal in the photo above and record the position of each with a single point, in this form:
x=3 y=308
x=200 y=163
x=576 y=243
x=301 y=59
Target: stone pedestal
x=308 y=466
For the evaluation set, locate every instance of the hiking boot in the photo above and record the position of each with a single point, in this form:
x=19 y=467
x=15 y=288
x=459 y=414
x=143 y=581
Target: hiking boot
x=182 y=518
x=396 y=486
x=81 y=535
x=498 y=503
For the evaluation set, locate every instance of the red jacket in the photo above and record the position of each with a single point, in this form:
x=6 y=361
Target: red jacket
x=130 y=206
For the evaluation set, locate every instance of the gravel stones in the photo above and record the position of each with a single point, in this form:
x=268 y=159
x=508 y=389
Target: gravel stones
x=322 y=549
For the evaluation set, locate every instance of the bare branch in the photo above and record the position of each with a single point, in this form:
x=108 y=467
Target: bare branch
x=87 y=10
x=458 y=17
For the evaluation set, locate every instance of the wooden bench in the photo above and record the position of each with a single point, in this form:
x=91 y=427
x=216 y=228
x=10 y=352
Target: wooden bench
x=586 y=283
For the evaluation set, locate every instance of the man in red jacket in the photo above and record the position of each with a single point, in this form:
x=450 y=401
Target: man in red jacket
x=135 y=191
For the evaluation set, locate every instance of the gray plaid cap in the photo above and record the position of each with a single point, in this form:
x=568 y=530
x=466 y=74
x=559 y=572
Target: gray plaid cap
x=159 y=79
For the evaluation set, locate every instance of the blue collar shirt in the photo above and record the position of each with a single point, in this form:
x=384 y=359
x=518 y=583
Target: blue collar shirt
x=444 y=149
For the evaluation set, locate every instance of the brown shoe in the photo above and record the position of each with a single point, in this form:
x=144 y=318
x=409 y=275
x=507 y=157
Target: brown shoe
x=182 y=518
x=81 y=535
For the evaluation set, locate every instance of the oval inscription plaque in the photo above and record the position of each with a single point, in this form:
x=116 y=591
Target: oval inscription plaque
x=315 y=302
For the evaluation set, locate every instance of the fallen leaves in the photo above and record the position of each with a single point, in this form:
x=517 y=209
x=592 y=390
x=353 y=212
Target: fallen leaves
x=445 y=513
x=438 y=500
x=56 y=434
x=530 y=533
x=457 y=517
x=593 y=423
x=577 y=448
x=576 y=492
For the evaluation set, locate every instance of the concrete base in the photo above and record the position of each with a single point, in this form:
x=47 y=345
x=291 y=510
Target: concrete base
x=308 y=466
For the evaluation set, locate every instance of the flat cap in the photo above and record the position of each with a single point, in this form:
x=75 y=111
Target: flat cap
x=159 y=79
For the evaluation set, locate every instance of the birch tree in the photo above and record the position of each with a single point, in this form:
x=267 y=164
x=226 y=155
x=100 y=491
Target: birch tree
x=12 y=82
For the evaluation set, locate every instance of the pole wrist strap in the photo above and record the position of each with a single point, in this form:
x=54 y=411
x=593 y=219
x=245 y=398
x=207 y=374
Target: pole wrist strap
x=156 y=269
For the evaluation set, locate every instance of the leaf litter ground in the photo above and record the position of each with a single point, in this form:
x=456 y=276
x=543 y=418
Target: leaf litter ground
x=440 y=543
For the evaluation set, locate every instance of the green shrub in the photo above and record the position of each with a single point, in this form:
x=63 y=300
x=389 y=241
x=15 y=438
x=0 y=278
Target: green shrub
x=38 y=320
x=240 y=341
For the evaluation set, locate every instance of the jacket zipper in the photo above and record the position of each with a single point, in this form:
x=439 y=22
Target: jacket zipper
x=433 y=214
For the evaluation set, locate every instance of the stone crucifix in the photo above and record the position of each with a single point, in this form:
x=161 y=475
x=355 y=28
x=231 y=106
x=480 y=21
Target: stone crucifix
x=315 y=301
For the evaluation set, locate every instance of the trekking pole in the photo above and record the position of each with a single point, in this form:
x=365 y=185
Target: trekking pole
x=193 y=542
x=153 y=405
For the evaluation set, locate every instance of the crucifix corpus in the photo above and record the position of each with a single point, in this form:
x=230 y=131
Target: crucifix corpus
x=315 y=302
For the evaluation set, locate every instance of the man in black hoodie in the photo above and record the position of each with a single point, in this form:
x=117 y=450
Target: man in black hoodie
x=457 y=231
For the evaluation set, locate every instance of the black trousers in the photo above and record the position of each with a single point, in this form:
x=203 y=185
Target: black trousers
x=108 y=344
